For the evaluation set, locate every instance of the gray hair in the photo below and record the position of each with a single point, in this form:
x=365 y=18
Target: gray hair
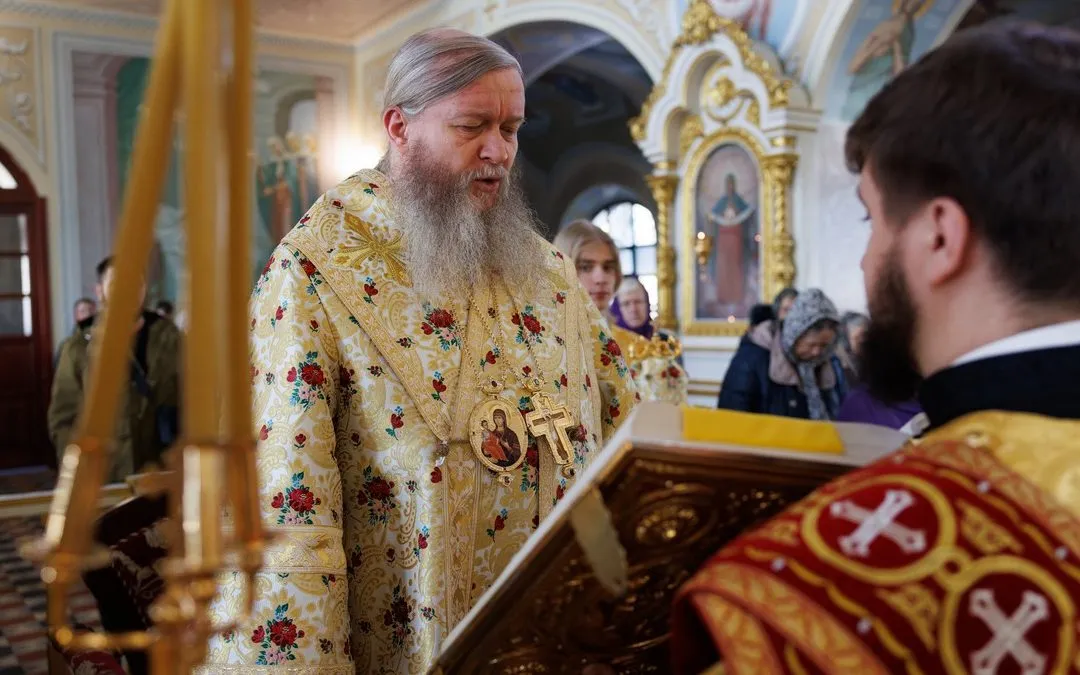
x=436 y=63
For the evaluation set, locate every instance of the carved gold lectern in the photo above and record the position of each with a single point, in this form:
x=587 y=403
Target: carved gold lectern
x=202 y=67
x=590 y=593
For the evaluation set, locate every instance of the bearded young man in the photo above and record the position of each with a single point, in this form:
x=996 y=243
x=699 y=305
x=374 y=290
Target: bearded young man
x=410 y=308
x=960 y=553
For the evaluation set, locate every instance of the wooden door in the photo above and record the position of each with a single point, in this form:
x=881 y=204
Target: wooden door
x=25 y=341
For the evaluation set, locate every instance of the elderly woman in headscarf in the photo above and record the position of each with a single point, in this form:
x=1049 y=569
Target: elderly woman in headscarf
x=789 y=367
x=654 y=356
x=852 y=329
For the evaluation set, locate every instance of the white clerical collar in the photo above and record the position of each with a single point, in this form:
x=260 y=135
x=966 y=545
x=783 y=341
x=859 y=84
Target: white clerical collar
x=1065 y=334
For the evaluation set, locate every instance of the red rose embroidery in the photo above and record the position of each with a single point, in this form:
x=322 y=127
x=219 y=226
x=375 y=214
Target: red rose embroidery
x=370 y=289
x=441 y=318
x=300 y=440
x=258 y=634
x=291 y=377
x=264 y=433
x=516 y=319
x=421 y=541
x=279 y=313
x=283 y=633
x=490 y=357
x=312 y=374
x=278 y=501
x=559 y=492
x=436 y=475
x=532 y=324
x=269 y=264
x=395 y=421
x=426 y=327
x=379 y=488
x=308 y=267
x=613 y=410
x=301 y=500
x=314 y=325
x=438 y=386
x=562 y=379
x=613 y=348
x=500 y=523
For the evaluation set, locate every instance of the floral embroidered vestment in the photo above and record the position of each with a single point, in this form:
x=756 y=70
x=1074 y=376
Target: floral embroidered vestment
x=382 y=546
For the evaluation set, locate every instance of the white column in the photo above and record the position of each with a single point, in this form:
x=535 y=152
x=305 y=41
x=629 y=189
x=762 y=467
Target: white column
x=327 y=132
x=94 y=106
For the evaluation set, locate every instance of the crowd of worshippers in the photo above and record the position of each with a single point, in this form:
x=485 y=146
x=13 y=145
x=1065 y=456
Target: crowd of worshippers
x=801 y=358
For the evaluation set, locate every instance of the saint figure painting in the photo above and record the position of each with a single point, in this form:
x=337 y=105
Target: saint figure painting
x=728 y=190
x=501 y=444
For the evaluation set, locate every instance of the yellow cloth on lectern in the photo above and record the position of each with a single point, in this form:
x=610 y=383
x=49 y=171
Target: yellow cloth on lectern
x=761 y=431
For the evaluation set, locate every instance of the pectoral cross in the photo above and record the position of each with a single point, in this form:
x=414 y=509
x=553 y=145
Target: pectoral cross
x=550 y=420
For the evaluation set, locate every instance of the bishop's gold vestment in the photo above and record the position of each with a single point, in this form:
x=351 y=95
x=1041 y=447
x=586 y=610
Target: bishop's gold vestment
x=384 y=544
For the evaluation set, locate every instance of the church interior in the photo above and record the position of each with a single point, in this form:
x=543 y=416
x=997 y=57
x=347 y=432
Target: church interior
x=705 y=137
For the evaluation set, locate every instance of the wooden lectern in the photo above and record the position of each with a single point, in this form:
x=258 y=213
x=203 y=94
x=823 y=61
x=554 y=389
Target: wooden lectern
x=590 y=592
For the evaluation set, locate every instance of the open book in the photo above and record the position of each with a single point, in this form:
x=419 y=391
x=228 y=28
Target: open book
x=590 y=592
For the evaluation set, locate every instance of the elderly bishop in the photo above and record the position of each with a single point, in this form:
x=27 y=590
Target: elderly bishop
x=429 y=379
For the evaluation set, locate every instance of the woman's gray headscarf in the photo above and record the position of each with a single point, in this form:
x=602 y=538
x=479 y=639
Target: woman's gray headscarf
x=811 y=309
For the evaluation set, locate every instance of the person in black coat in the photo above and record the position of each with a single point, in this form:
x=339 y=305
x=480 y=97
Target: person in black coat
x=789 y=367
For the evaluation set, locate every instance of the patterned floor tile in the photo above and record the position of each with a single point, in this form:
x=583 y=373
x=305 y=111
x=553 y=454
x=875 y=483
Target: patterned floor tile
x=22 y=603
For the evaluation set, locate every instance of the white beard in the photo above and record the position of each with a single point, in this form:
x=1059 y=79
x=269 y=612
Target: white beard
x=453 y=247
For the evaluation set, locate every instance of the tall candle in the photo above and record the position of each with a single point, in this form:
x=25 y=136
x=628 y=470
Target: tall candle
x=135 y=235
x=202 y=353
x=243 y=484
x=241 y=172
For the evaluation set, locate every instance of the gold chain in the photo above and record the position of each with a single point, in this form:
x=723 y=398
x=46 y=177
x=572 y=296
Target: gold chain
x=532 y=384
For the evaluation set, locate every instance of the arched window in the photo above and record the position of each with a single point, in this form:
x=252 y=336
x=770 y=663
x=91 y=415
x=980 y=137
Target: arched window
x=633 y=228
x=303 y=116
x=7 y=181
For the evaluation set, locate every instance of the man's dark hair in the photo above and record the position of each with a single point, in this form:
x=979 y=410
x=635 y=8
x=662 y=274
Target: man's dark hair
x=990 y=119
x=103 y=267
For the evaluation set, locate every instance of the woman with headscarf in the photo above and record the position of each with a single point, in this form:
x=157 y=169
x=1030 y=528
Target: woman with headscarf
x=852 y=328
x=859 y=405
x=654 y=356
x=789 y=367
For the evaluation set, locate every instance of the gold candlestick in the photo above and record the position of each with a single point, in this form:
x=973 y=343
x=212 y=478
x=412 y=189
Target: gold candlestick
x=214 y=463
